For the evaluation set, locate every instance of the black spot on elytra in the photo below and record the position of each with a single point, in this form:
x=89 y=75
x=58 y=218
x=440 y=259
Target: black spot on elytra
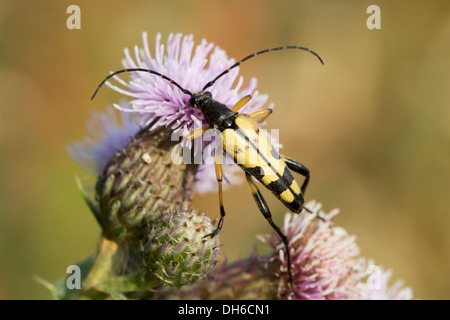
x=255 y=172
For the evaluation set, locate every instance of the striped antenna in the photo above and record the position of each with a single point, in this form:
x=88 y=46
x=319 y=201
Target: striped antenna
x=209 y=84
x=140 y=70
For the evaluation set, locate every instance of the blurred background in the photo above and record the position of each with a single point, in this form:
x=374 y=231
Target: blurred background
x=372 y=125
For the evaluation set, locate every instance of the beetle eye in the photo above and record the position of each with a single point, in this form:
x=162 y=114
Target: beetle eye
x=209 y=94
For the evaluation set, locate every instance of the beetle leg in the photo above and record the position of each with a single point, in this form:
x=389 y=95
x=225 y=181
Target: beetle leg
x=262 y=205
x=298 y=168
x=196 y=133
x=219 y=177
x=302 y=170
x=238 y=106
x=261 y=114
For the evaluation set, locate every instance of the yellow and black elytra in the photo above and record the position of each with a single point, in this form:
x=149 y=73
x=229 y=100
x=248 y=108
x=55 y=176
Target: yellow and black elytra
x=251 y=149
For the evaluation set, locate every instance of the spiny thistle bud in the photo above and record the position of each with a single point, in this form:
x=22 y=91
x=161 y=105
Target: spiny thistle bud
x=176 y=249
x=139 y=183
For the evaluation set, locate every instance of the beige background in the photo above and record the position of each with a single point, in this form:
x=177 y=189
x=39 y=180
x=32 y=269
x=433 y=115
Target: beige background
x=372 y=125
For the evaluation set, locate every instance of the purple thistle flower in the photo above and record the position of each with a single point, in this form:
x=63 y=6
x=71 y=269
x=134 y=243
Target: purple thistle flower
x=107 y=136
x=376 y=286
x=322 y=257
x=154 y=98
x=325 y=262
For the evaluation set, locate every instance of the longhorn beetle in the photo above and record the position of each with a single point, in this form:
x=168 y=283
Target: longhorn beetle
x=241 y=139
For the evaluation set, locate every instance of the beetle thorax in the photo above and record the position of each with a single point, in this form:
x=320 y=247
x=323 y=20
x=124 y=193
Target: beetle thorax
x=216 y=114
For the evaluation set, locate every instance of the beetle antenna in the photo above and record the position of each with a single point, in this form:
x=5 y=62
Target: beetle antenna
x=209 y=84
x=140 y=70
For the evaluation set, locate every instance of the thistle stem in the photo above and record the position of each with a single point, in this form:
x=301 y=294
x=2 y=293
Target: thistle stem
x=107 y=276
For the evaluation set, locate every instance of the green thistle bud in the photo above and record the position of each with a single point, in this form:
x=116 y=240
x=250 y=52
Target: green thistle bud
x=176 y=250
x=141 y=182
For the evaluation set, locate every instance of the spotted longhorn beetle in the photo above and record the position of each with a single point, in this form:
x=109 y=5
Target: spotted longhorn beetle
x=241 y=139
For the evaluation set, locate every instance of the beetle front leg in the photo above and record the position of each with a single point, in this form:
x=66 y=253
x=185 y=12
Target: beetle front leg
x=196 y=133
x=242 y=102
x=261 y=115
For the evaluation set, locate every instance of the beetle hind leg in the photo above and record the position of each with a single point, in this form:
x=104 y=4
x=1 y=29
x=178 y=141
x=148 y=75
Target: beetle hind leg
x=262 y=205
x=298 y=168
x=304 y=171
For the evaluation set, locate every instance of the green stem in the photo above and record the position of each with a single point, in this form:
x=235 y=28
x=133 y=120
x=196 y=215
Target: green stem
x=105 y=279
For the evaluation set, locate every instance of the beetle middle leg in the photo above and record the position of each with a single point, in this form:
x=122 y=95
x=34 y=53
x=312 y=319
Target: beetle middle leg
x=219 y=177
